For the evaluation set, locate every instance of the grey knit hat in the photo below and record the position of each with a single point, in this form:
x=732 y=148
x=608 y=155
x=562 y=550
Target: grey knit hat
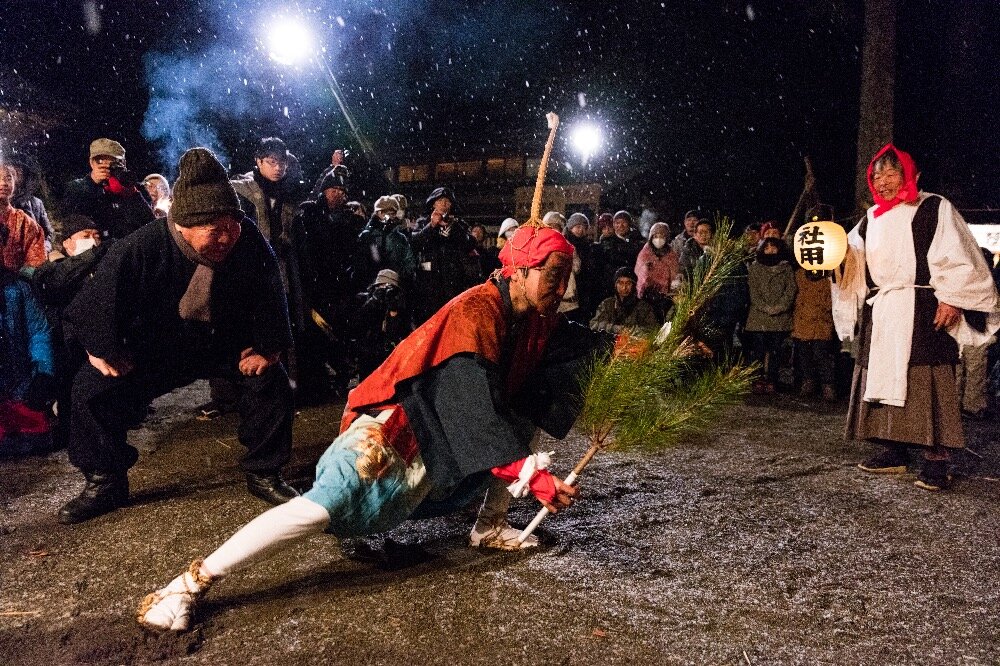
x=202 y=192
x=576 y=219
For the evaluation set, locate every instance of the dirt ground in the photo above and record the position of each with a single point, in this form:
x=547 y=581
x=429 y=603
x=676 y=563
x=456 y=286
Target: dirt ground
x=758 y=544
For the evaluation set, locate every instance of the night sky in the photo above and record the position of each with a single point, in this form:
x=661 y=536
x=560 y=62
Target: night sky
x=702 y=103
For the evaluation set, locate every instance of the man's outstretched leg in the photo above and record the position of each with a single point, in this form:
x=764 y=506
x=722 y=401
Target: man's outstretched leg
x=170 y=608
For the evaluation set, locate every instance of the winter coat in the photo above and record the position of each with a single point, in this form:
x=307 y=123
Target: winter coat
x=57 y=282
x=813 y=319
x=615 y=314
x=22 y=241
x=447 y=265
x=325 y=244
x=772 y=297
x=275 y=225
x=656 y=270
x=679 y=241
x=613 y=253
x=379 y=248
x=731 y=303
x=131 y=306
x=117 y=215
x=25 y=342
x=586 y=277
x=34 y=207
x=689 y=256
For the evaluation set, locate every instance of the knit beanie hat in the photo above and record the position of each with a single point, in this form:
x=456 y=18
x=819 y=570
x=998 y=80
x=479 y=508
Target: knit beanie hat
x=624 y=215
x=577 y=219
x=441 y=193
x=626 y=272
x=202 y=192
x=76 y=223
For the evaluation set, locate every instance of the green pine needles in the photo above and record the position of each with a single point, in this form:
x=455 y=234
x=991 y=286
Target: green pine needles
x=675 y=389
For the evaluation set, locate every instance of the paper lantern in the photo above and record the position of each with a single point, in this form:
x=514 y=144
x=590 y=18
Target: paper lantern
x=820 y=246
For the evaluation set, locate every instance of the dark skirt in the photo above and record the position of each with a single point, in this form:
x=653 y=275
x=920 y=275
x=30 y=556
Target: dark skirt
x=931 y=416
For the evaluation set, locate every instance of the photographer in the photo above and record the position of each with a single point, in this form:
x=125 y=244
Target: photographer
x=108 y=195
x=382 y=244
x=447 y=261
x=382 y=323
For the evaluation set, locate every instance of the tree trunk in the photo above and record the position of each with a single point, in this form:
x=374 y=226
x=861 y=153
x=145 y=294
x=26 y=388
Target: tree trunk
x=878 y=82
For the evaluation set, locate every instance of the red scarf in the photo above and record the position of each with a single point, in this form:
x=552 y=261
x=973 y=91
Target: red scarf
x=907 y=193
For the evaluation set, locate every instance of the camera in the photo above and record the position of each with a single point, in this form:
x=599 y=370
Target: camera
x=118 y=170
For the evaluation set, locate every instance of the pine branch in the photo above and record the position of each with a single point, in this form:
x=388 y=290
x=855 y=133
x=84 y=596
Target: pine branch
x=673 y=391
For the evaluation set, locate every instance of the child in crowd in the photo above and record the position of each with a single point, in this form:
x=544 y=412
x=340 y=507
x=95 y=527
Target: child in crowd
x=772 y=300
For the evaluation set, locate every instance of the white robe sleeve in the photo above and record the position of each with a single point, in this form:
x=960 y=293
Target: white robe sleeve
x=960 y=276
x=849 y=289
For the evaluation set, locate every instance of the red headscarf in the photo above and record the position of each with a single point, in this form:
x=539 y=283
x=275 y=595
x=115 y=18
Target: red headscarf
x=530 y=247
x=908 y=192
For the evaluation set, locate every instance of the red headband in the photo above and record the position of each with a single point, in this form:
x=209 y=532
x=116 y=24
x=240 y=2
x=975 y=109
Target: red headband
x=530 y=247
x=908 y=192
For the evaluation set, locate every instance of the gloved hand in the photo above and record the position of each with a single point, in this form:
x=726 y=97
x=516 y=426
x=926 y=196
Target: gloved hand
x=41 y=392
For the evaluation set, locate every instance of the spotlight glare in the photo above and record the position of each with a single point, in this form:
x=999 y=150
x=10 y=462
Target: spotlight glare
x=586 y=140
x=289 y=42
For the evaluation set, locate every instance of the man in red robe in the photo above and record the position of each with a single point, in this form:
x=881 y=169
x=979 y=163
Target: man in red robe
x=454 y=405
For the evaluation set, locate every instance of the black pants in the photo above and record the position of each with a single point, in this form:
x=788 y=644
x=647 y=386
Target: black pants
x=105 y=408
x=815 y=360
x=766 y=350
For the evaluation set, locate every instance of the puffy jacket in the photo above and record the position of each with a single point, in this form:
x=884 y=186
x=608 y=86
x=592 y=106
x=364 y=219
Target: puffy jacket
x=25 y=342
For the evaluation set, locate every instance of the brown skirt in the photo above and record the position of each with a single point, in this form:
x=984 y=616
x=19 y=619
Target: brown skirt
x=931 y=416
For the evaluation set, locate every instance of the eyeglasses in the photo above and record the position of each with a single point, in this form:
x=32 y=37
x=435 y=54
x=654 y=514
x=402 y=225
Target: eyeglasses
x=274 y=163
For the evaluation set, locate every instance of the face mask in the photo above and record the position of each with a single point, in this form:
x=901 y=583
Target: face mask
x=82 y=246
x=659 y=242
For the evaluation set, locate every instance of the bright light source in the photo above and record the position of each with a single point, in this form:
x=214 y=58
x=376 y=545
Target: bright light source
x=289 y=41
x=586 y=140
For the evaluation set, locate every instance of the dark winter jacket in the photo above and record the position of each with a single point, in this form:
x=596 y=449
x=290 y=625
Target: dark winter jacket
x=117 y=215
x=325 y=243
x=130 y=309
x=379 y=247
x=272 y=208
x=57 y=282
x=613 y=253
x=34 y=207
x=615 y=314
x=447 y=265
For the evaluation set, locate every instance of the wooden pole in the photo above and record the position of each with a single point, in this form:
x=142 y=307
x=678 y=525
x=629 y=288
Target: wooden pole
x=569 y=481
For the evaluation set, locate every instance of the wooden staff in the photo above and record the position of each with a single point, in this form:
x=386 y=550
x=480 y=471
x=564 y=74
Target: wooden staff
x=569 y=481
x=535 y=219
x=810 y=183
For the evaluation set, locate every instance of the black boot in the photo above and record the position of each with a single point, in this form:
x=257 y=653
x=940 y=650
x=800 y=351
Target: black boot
x=270 y=487
x=103 y=493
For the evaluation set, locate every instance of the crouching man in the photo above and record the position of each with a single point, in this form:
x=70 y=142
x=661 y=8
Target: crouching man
x=455 y=405
x=195 y=295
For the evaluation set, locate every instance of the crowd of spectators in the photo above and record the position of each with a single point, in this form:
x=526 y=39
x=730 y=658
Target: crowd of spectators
x=355 y=285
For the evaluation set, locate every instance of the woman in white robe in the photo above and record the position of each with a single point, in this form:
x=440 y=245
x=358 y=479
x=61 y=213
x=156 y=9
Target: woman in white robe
x=916 y=276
